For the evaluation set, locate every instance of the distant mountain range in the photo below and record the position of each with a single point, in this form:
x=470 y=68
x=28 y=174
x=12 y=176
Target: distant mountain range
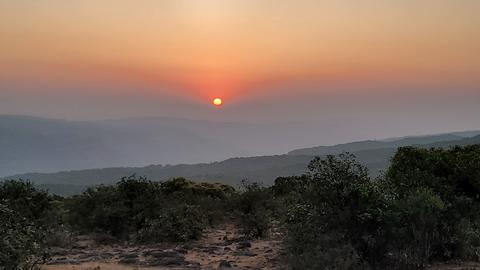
x=374 y=154
x=387 y=143
x=31 y=144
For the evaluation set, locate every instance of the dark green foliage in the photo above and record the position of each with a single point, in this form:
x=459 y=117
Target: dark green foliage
x=331 y=225
x=254 y=206
x=213 y=198
x=426 y=208
x=177 y=224
x=147 y=211
x=412 y=226
x=98 y=209
x=450 y=212
x=22 y=244
x=24 y=219
x=24 y=199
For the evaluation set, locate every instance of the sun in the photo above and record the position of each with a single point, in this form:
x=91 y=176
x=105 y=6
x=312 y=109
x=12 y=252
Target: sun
x=217 y=102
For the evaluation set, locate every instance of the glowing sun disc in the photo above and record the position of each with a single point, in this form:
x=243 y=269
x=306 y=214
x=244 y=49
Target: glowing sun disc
x=217 y=102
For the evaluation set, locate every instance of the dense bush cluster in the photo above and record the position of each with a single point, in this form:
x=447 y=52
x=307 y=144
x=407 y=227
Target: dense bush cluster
x=425 y=208
x=137 y=209
x=255 y=208
x=24 y=223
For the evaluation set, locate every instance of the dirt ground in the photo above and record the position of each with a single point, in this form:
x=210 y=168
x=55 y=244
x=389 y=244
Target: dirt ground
x=221 y=248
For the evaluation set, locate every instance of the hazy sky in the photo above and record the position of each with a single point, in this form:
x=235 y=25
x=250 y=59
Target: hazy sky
x=408 y=66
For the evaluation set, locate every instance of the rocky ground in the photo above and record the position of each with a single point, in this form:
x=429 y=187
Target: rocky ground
x=222 y=248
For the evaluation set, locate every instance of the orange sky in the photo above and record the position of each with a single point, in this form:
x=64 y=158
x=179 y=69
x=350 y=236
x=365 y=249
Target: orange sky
x=205 y=48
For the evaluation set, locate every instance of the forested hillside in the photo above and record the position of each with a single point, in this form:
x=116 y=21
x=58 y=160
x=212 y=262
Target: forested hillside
x=231 y=171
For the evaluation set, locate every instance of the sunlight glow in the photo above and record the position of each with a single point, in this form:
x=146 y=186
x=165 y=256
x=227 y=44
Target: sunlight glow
x=217 y=102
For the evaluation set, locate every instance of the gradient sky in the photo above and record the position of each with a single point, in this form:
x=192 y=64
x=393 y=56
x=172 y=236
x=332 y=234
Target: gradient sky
x=408 y=66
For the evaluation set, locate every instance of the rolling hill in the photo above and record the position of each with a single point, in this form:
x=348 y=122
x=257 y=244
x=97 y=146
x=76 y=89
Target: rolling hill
x=231 y=171
x=32 y=144
x=388 y=143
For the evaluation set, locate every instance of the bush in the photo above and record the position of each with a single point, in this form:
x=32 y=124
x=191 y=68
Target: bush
x=98 y=209
x=254 y=206
x=147 y=211
x=213 y=198
x=22 y=197
x=25 y=215
x=179 y=224
x=22 y=243
x=413 y=224
x=331 y=224
x=467 y=234
x=426 y=207
x=452 y=179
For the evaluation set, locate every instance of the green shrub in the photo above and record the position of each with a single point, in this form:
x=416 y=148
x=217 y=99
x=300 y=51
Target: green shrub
x=22 y=243
x=178 y=224
x=332 y=223
x=426 y=208
x=254 y=206
x=22 y=197
x=452 y=176
x=98 y=209
x=213 y=198
x=414 y=225
x=467 y=234
x=136 y=208
x=25 y=216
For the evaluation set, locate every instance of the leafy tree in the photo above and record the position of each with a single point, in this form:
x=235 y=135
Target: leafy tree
x=425 y=208
x=451 y=177
x=177 y=224
x=24 y=213
x=22 y=197
x=255 y=207
x=334 y=216
x=22 y=244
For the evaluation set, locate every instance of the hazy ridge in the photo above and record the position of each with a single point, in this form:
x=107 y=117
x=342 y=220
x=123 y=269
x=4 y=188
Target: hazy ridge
x=374 y=154
x=32 y=144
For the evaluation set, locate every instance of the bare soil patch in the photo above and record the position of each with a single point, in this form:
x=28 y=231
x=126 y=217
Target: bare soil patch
x=220 y=248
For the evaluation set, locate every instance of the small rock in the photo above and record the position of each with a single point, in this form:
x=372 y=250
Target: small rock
x=247 y=253
x=128 y=261
x=243 y=245
x=164 y=258
x=166 y=261
x=224 y=264
x=128 y=256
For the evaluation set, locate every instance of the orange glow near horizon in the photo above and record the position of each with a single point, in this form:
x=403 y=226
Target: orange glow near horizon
x=230 y=48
